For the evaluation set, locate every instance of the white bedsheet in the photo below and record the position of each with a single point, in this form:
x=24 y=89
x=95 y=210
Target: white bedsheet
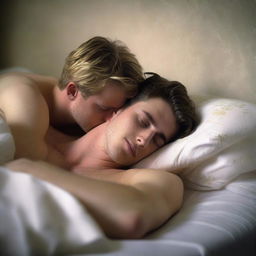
x=38 y=218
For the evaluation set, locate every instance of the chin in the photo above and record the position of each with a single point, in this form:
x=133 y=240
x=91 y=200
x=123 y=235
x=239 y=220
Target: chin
x=120 y=156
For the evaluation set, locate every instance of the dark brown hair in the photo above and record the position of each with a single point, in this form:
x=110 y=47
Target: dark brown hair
x=175 y=94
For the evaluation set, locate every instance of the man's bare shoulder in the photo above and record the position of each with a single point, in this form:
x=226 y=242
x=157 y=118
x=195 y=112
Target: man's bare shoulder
x=13 y=79
x=27 y=82
x=17 y=89
x=162 y=193
x=162 y=187
x=26 y=112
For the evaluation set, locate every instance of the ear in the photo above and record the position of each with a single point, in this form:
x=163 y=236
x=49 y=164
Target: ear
x=72 y=90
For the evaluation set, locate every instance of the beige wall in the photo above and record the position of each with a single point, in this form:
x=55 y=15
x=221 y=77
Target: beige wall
x=210 y=45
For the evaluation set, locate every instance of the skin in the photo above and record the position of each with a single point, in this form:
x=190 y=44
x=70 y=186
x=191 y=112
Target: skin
x=30 y=103
x=99 y=107
x=127 y=137
x=139 y=130
x=126 y=203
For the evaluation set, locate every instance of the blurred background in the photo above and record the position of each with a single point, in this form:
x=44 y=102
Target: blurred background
x=209 y=45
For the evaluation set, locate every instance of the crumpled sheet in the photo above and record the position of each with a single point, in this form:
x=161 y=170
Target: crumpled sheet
x=38 y=218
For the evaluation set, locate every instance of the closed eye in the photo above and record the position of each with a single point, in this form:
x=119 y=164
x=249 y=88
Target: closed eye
x=162 y=138
x=104 y=108
x=144 y=123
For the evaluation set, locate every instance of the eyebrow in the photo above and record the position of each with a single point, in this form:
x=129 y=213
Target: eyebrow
x=152 y=120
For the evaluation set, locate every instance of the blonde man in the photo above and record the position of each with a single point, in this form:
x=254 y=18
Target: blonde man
x=97 y=78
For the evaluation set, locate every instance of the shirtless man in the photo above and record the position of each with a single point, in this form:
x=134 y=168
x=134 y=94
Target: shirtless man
x=125 y=203
x=97 y=78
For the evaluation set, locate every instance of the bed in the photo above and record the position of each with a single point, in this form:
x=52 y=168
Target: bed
x=217 y=164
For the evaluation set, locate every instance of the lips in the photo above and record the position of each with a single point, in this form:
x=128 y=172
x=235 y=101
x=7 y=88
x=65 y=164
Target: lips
x=131 y=148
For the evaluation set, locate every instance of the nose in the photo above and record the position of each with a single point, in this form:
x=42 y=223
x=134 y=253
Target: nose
x=144 y=138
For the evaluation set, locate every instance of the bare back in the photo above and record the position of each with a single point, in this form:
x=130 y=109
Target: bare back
x=24 y=101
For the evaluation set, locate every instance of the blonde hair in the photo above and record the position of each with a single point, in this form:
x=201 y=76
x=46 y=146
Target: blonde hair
x=99 y=60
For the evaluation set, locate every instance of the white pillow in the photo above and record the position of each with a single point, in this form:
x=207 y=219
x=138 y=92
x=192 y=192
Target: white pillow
x=222 y=147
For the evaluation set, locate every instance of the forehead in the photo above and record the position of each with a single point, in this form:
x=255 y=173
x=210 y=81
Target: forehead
x=112 y=95
x=161 y=113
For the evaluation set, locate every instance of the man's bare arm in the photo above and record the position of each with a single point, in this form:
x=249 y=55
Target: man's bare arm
x=143 y=201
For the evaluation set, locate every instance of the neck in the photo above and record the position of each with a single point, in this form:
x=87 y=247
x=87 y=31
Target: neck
x=88 y=151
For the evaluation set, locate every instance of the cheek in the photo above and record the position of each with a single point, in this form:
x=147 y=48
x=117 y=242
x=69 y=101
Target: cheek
x=87 y=114
x=82 y=113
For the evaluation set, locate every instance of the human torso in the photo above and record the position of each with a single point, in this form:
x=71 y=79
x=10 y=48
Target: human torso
x=83 y=153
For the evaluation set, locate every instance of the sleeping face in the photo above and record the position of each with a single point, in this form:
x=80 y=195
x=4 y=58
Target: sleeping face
x=138 y=130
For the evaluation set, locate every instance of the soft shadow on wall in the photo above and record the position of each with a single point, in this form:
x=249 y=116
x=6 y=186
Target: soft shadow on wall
x=5 y=21
x=208 y=45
